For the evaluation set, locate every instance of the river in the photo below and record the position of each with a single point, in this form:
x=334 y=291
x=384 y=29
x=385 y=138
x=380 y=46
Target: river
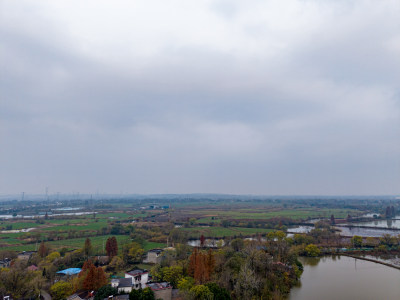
x=342 y=277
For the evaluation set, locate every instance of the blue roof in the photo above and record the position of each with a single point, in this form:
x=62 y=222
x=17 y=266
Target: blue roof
x=70 y=271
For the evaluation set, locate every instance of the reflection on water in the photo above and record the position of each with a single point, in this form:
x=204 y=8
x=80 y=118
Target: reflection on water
x=342 y=277
x=366 y=232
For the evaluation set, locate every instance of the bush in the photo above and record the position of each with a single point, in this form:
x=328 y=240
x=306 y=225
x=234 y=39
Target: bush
x=312 y=250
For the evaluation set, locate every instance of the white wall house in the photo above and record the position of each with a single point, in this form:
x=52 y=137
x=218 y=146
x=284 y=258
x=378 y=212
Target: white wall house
x=139 y=278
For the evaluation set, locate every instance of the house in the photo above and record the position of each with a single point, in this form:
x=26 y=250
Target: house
x=118 y=297
x=25 y=255
x=82 y=296
x=123 y=285
x=162 y=290
x=5 y=263
x=139 y=278
x=153 y=256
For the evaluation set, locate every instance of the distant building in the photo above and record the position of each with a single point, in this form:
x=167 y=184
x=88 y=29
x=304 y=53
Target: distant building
x=5 y=263
x=26 y=255
x=153 y=256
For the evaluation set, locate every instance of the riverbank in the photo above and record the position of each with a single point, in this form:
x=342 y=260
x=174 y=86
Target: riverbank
x=371 y=260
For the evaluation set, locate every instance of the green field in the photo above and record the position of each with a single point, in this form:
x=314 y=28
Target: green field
x=72 y=244
x=218 y=232
x=252 y=214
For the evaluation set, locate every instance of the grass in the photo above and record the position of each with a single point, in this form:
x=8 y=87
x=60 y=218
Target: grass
x=77 y=243
x=250 y=214
x=217 y=232
x=151 y=245
x=19 y=225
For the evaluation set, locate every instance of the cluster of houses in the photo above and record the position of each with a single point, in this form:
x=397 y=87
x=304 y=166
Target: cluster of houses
x=134 y=279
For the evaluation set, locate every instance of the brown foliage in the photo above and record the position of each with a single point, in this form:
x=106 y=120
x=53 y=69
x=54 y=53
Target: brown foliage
x=93 y=278
x=201 y=266
x=112 y=246
x=43 y=250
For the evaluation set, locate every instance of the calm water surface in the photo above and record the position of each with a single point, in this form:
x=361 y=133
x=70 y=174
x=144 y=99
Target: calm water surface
x=341 y=277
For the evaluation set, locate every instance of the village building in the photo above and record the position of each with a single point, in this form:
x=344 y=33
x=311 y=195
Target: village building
x=139 y=278
x=25 y=255
x=5 y=263
x=82 y=296
x=123 y=285
x=118 y=297
x=162 y=290
x=153 y=256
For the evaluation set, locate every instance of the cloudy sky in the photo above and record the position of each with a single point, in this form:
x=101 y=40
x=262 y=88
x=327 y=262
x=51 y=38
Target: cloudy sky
x=225 y=96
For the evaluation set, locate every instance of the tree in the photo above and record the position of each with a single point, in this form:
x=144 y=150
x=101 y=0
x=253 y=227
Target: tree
x=192 y=262
x=201 y=292
x=135 y=252
x=61 y=290
x=202 y=240
x=356 y=241
x=91 y=278
x=112 y=246
x=87 y=248
x=116 y=264
x=17 y=282
x=105 y=291
x=89 y=281
x=43 y=250
x=237 y=244
x=209 y=264
x=53 y=256
x=333 y=220
x=312 y=250
x=218 y=292
x=172 y=274
x=142 y=294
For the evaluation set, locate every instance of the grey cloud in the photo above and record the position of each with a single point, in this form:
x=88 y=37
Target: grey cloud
x=320 y=118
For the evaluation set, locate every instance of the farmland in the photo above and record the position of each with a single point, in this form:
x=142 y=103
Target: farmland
x=139 y=219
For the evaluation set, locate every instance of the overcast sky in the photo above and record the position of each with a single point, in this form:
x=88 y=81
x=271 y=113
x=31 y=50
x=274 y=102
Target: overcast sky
x=225 y=96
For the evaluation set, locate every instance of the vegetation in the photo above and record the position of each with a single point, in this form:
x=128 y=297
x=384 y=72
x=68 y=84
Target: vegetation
x=242 y=249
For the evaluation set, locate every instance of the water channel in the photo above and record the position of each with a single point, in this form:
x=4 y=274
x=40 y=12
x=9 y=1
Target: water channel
x=342 y=277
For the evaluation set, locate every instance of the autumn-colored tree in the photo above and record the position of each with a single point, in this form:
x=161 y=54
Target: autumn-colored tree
x=90 y=278
x=43 y=250
x=87 y=248
x=100 y=278
x=210 y=264
x=112 y=246
x=93 y=278
x=86 y=266
x=192 y=262
x=200 y=273
x=202 y=240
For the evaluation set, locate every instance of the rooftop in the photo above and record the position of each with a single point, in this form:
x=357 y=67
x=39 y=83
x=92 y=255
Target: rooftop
x=70 y=271
x=156 y=286
x=137 y=272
